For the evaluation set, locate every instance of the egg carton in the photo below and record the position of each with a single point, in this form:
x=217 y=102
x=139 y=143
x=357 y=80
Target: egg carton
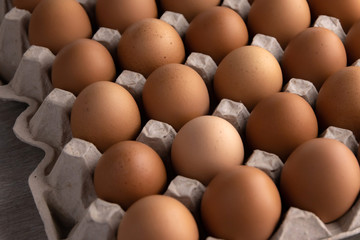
x=62 y=184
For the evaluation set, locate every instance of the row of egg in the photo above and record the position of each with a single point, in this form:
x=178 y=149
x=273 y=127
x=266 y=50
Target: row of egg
x=98 y=94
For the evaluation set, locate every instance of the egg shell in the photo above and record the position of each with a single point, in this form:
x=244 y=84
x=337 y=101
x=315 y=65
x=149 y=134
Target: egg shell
x=313 y=55
x=211 y=32
x=149 y=44
x=28 y=5
x=55 y=23
x=281 y=19
x=345 y=227
x=121 y=14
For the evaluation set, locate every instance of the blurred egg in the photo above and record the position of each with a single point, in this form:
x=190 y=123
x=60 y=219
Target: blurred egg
x=105 y=113
x=281 y=19
x=25 y=4
x=248 y=74
x=352 y=43
x=338 y=102
x=119 y=14
x=313 y=55
x=81 y=63
x=128 y=171
x=205 y=146
x=347 y=11
x=158 y=217
x=188 y=8
x=149 y=44
x=175 y=93
x=280 y=123
x=56 y=23
x=241 y=203
x=322 y=176
x=216 y=32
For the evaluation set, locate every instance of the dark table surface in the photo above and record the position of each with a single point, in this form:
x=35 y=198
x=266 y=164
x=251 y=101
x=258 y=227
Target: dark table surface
x=19 y=218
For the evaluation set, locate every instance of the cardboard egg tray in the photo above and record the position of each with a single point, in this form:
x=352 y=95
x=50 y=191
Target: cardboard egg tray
x=62 y=184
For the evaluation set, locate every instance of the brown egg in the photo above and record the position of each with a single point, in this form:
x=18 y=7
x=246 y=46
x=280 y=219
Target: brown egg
x=55 y=23
x=313 y=55
x=81 y=63
x=280 y=123
x=281 y=19
x=149 y=44
x=158 y=217
x=241 y=203
x=119 y=14
x=205 y=146
x=322 y=176
x=128 y=171
x=352 y=43
x=347 y=11
x=188 y=8
x=175 y=93
x=25 y=4
x=248 y=74
x=105 y=113
x=338 y=102
x=216 y=32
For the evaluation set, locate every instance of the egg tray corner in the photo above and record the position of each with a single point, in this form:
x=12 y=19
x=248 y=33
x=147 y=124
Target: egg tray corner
x=62 y=182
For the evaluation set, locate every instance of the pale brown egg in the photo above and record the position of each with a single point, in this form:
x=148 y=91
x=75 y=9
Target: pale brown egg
x=338 y=102
x=175 y=93
x=119 y=14
x=128 y=171
x=55 y=23
x=158 y=217
x=105 y=113
x=216 y=32
x=205 y=146
x=248 y=74
x=313 y=55
x=81 y=63
x=352 y=45
x=188 y=8
x=280 y=123
x=281 y=19
x=241 y=203
x=149 y=44
x=347 y=11
x=322 y=176
x=25 y=4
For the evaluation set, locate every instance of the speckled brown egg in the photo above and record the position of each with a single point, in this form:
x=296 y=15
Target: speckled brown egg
x=280 y=123
x=322 y=176
x=55 y=23
x=281 y=19
x=216 y=32
x=149 y=44
x=241 y=203
x=25 y=4
x=205 y=146
x=352 y=43
x=347 y=11
x=119 y=14
x=128 y=171
x=188 y=8
x=338 y=102
x=81 y=63
x=248 y=74
x=105 y=113
x=175 y=94
x=313 y=55
x=158 y=217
